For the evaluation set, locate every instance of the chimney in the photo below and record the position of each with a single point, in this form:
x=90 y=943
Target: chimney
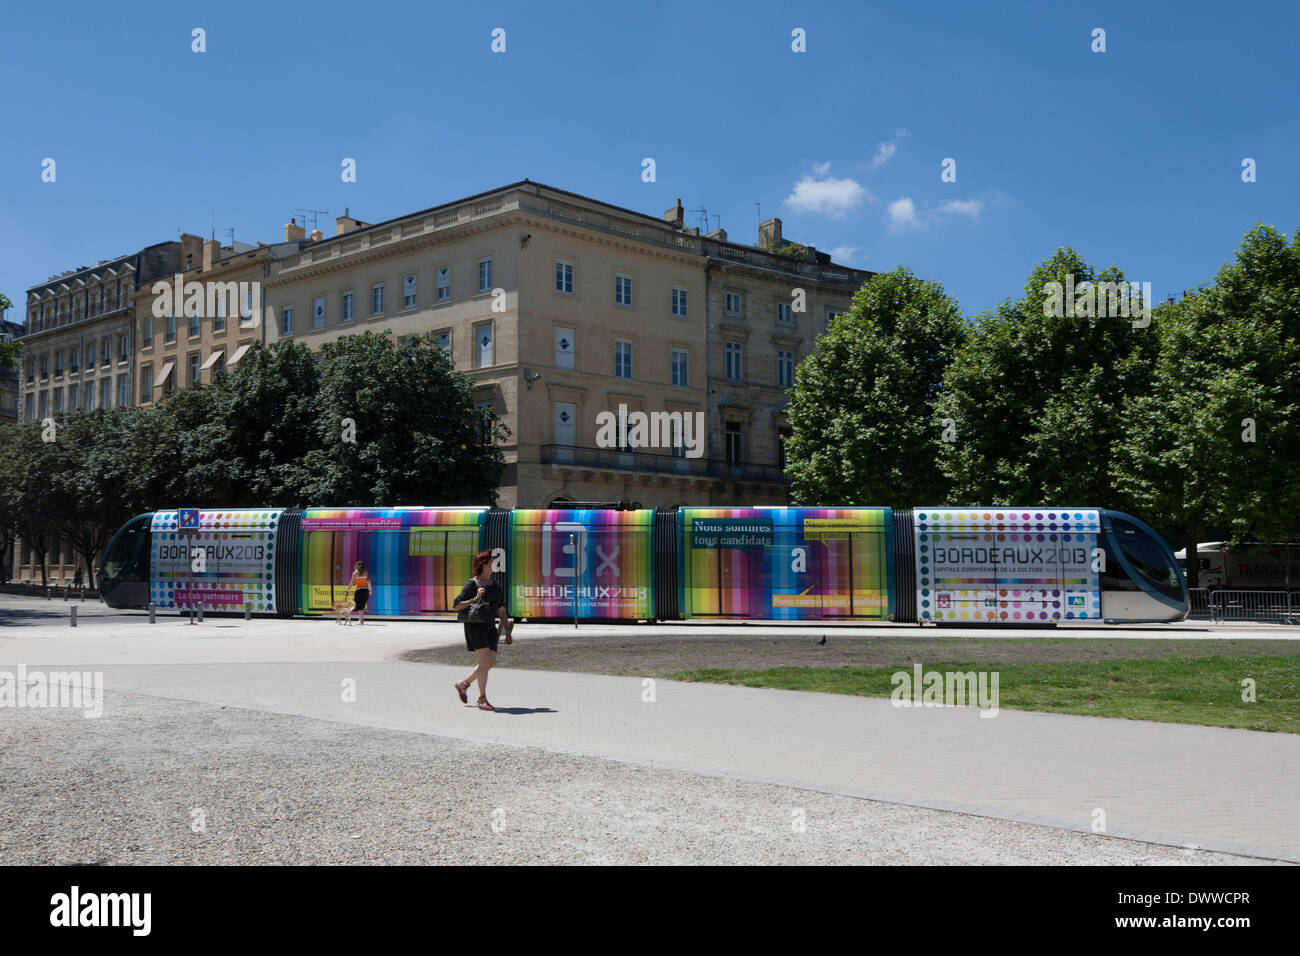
x=718 y=234
x=293 y=231
x=317 y=235
x=769 y=234
x=345 y=224
x=676 y=216
x=211 y=253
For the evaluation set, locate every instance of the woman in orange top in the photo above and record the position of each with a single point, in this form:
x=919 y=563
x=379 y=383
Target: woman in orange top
x=360 y=581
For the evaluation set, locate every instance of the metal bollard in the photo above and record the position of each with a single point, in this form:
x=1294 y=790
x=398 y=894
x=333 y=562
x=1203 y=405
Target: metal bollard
x=152 y=609
x=48 y=594
x=248 y=610
x=74 y=615
x=200 y=613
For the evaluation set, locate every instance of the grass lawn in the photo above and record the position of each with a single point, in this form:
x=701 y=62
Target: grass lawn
x=1187 y=690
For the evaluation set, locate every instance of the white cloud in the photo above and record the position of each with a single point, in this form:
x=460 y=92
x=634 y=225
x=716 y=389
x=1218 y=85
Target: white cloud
x=844 y=254
x=887 y=149
x=823 y=193
x=901 y=215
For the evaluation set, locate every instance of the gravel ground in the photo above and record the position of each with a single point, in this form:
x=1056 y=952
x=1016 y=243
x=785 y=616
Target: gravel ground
x=274 y=789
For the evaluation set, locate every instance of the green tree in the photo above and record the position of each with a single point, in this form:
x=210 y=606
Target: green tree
x=1215 y=442
x=398 y=425
x=1035 y=397
x=28 y=475
x=862 y=409
x=8 y=350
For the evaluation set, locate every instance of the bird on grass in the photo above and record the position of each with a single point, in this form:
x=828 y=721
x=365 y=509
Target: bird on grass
x=822 y=641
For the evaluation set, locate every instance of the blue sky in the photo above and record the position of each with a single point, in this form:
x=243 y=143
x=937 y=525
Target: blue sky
x=1132 y=156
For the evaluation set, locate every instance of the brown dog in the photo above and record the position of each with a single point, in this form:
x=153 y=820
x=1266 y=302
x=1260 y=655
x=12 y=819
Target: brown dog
x=342 y=612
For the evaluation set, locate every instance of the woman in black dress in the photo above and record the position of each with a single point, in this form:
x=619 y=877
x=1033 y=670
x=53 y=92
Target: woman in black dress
x=481 y=636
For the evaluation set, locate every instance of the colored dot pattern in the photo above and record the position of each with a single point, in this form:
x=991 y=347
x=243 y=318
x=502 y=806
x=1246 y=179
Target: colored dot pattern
x=1044 y=574
x=224 y=584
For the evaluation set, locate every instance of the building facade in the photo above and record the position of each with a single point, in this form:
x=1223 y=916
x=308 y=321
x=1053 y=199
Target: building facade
x=568 y=312
x=9 y=377
x=573 y=317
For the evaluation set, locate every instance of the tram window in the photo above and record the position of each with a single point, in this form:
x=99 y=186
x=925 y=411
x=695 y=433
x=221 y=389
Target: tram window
x=1147 y=558
x=123 y=560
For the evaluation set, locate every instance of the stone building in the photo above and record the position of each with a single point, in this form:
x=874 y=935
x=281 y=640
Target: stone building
x=566 y=311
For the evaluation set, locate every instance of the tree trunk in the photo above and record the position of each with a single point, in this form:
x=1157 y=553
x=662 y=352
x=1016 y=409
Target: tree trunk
x=1193 y=559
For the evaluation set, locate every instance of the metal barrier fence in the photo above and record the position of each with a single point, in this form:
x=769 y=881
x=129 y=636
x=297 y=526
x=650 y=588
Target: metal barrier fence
x=1275 y=607
x=1200 y=604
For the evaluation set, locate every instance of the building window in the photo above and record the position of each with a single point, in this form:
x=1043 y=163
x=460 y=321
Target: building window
x=286 y=320
x=29 y=405
x=735 y=451
x=124 y=353
x=408 y=292
x=90 y=355
x=679 y=302
x=622 y=358
x=565 y=348
x=622 y=290
x=832 y=315
x=58 y=401
x=483 y=339
x=347 y=306
x=735 y=361
x=444 y=283
x=681 y=368
x=146 y=384
x=246 y=313
x=123 y=391
x=74 y=398
x=194 y=368
x=485 y=274
x=318 y=312
x=219 y=367
x=377 y=299
x=194 y=322
x=784 y=313
x=171 y=331
x=45 y=404
x=76 y=360
x=784 y=368
x=734 y=303
x=442 y=339
x=564 y=277
x=170 y=382
x=58 y=364
x=148 y=339
x=45 y=366
x=218 y=320
x=105 y=394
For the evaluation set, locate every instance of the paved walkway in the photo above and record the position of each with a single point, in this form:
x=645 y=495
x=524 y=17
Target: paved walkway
x=1218 y=789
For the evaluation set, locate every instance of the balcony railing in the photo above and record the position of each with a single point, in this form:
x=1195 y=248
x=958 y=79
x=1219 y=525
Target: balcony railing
x=660 y=464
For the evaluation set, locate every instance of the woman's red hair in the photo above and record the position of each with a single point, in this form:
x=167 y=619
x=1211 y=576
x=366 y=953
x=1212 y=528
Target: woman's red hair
x=481 y=559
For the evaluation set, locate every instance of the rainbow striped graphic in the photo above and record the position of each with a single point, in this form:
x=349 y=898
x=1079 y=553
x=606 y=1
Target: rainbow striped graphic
x=418 y=559
x=786 y=564
x=588 y=564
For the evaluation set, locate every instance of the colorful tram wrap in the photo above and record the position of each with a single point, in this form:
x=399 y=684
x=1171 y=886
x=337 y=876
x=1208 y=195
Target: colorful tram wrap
x=938 y=565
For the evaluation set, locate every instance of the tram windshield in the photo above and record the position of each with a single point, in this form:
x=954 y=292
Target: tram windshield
x=1147 y=555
